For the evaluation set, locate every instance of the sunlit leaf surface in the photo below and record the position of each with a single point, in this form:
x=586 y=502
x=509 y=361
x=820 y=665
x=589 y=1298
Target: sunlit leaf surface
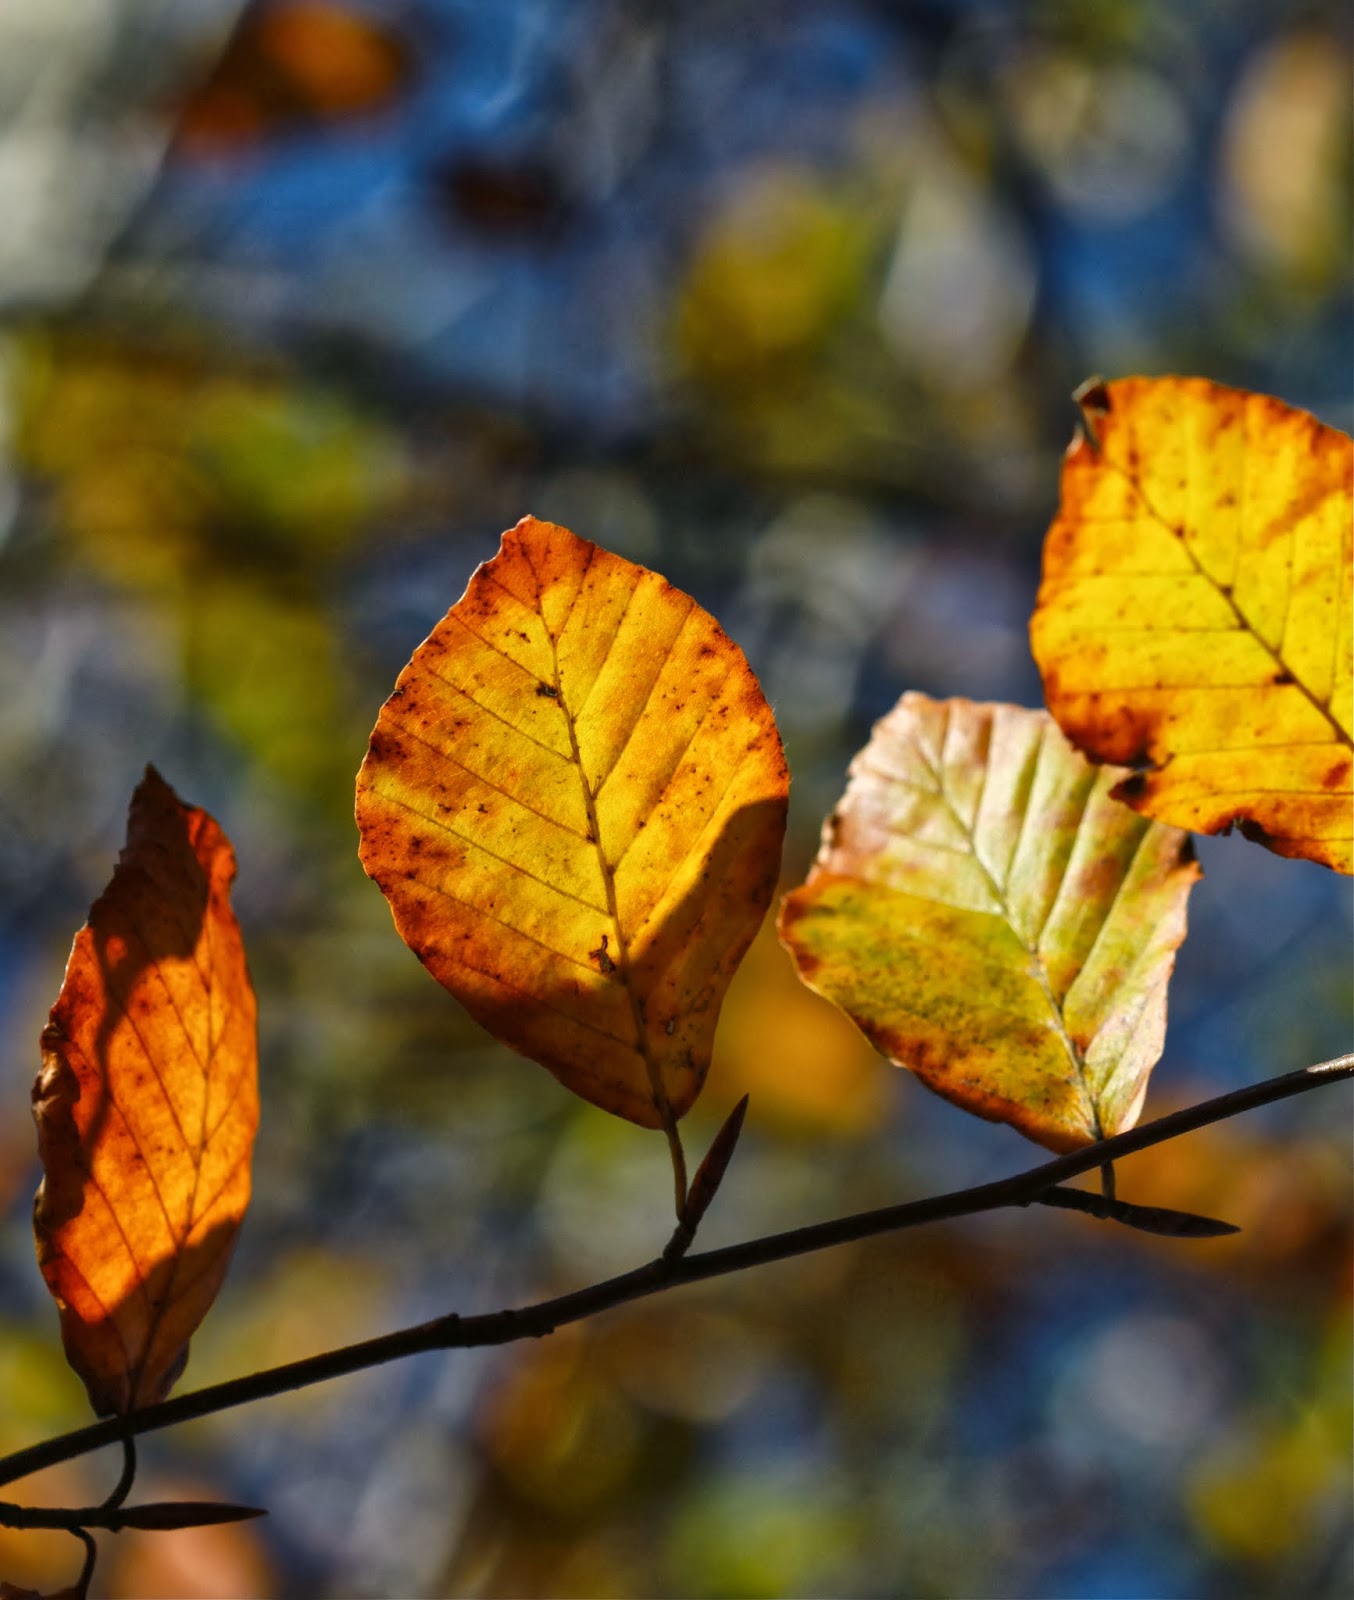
x=146 y=1106
x=991 y=918
x=1195 y=610
x=574 y=801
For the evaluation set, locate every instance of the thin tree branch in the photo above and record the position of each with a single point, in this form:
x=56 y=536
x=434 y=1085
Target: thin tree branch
x=454 y=1332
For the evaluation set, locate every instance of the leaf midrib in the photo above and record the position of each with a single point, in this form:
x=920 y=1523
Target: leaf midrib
x=1039 y=971
x=622 y=957
x=1224 y=591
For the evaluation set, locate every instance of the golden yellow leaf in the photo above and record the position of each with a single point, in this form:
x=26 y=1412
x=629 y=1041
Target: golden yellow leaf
x=146 y=1106
x=574 y=801
x=1194 y=613
x=991 y=918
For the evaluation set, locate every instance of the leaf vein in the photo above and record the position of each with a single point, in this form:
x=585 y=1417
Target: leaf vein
x=644 y=704
x=489 y=712
x=488 y=644
x=489 y=916
x=606 y=657
x=513 y=866
x=488 y=783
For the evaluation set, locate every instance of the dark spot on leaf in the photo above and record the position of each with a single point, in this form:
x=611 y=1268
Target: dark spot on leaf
x=547 y=691
x=1282 y=676
x=600 y=956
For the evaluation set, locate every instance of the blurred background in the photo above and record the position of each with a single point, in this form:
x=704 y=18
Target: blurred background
x=301 y=304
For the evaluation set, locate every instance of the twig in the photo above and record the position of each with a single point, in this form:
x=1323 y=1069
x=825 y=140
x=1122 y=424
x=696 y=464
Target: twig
x=454 y=1332
x=86 y=1577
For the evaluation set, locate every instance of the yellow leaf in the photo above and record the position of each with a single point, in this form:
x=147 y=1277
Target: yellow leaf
x=574 y=801
x=989 y=917
x=146 y=1106
x=1195 y=610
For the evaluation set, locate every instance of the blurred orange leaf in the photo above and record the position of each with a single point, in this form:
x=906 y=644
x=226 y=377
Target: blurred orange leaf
x=1195 y=610
x=214 y=1561
x=991 y=918
x=294 y=63
x=574 y=801
x=146 y=1106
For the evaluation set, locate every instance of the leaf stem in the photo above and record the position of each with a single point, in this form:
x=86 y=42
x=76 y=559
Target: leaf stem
x=86 y=1577
x=678 y=1155
x=453 y=1332
x=123 y=1487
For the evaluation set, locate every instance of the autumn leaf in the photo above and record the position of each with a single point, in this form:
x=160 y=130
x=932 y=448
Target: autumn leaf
x=991 y=918
x=292 y=65
x=1194 y=615
x=146 y=1106
x=574 y=801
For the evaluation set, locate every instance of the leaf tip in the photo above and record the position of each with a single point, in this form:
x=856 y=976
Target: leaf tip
x=1093 y=401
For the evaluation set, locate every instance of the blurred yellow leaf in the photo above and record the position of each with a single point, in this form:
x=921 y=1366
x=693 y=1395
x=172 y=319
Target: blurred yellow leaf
x=557 y=1428
x=1195 y=610
x=574 y=802
x=167 y=464
x=269 y=672
x=1285 y=158
x=806 y=1068
x=1262 y=1495
x=780 y=262
x=992 y=919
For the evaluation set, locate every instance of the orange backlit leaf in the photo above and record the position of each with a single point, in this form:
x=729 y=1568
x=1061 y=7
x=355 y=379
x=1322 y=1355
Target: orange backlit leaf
x=990 y=917
x=1194 y=615
x=146 y=1106
x=574 y=801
